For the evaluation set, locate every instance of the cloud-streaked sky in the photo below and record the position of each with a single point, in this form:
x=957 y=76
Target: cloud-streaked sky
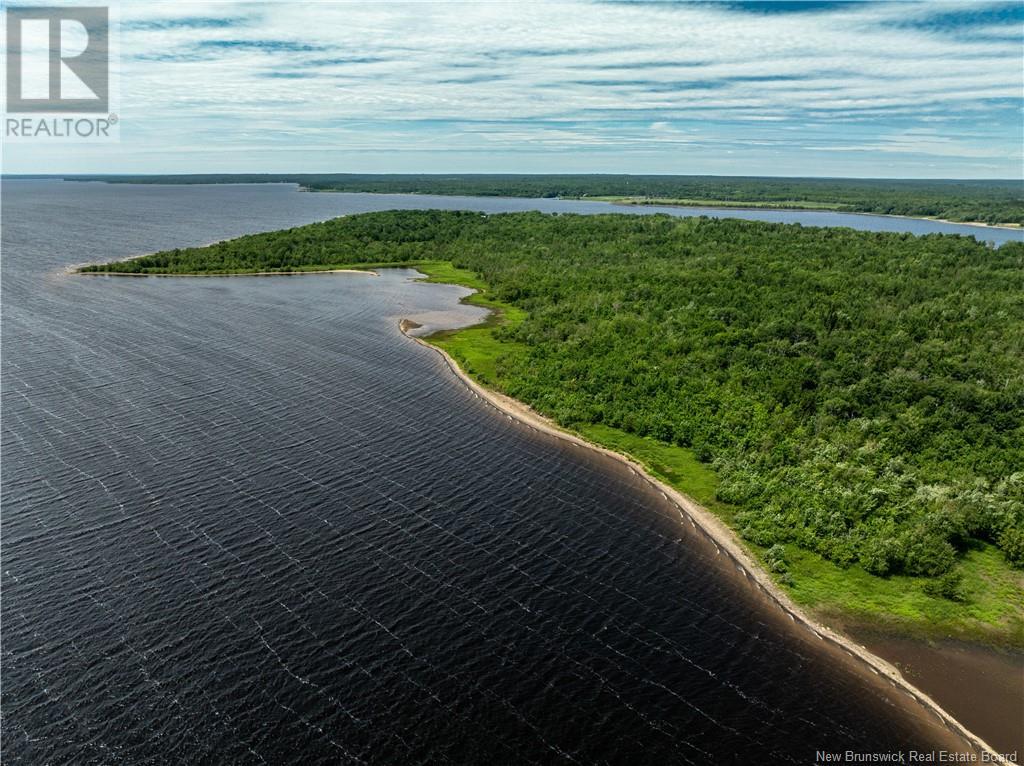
x=892 y=88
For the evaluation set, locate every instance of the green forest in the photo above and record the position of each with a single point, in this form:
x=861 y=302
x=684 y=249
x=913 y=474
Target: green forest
x=989 y=201
x=858 y=396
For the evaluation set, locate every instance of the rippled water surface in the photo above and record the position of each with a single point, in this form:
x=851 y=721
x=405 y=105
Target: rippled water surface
x=246 y=521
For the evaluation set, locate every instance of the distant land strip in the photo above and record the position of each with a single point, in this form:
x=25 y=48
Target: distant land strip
x=992 y=202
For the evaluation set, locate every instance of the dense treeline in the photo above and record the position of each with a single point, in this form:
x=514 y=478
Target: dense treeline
x=985 y=201
x=860 y=394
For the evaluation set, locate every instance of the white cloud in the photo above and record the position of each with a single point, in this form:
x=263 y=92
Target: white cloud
x=569 y=75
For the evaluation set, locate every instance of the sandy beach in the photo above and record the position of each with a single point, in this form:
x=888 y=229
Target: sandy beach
x=724 y=537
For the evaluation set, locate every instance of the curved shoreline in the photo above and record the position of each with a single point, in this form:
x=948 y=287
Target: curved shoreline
x=720 y=534
x=77 y=268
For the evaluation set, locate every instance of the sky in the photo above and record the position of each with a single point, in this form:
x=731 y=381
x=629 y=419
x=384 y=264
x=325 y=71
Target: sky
x=859 y=89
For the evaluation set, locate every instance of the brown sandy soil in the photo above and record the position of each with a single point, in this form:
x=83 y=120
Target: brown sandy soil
x=950 y=670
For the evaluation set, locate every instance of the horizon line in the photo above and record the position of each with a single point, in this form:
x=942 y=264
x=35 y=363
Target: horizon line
x=505 y=174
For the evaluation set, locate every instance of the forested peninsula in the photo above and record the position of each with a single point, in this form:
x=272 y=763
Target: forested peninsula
x=850 y=402
x=981 y=201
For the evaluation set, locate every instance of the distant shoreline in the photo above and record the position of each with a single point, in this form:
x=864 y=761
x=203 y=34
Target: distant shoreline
x=750 y=206
x=721 y=535
x=727 y=205
x=714 y=204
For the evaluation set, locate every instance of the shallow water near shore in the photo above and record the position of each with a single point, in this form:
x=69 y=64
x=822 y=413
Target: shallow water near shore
x=247 y=520
x=982 y=687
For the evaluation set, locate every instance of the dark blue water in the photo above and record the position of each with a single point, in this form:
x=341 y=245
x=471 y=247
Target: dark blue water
x=246 y=521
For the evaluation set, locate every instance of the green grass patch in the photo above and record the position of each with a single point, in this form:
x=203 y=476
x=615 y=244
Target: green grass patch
x=475 y=348
x=445 y=272
x=992 y=609
x=676 y=466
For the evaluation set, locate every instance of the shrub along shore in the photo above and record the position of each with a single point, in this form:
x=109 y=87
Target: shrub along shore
x=850 y=403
